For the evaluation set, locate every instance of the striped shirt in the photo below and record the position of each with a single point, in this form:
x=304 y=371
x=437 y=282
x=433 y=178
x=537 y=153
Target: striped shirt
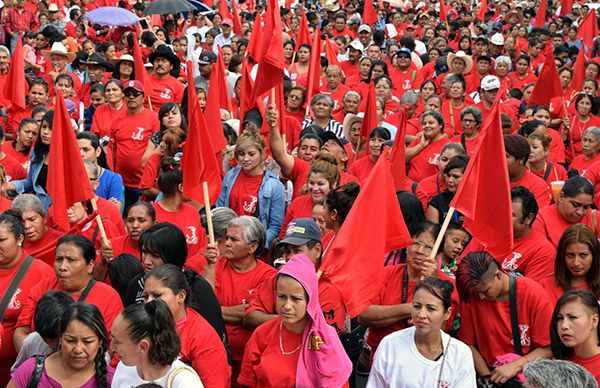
x=332 y=126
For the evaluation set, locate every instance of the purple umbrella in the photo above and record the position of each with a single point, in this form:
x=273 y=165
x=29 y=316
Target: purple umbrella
x=111 y=16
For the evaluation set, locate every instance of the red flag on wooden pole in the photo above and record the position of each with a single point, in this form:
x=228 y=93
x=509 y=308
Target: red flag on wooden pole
x=199 y=162
x=331 y=53
x=217 y=98
x=314 y=69
x=255 y=45
x=485 y=182
x=354 y=263
x=398 y=154
x=246 y=102
x=578 y=73
x=541 y=14
x=369 y=15
x=15 y=88
x=482 y=10
x=548 y=84
x=139 y=69
x=370 y=120
x=237 y=23
x=443 y=16
x=588 y=30
x=68 y=182
x=303 y=35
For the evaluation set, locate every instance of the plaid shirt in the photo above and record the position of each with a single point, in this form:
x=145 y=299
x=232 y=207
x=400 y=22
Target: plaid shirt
x=20 y=20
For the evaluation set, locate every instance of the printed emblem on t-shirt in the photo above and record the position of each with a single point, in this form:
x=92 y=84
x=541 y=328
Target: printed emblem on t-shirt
x=443 y=384
x=406 y=85
x=193 y=238
x=138 y=135
x=166 y=94
x=435 y=159
x=251 y=207
x=510 y=263
x=15 y=304
x=524 y=330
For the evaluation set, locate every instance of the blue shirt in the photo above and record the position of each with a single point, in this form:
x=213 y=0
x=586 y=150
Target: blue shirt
x=111 y=186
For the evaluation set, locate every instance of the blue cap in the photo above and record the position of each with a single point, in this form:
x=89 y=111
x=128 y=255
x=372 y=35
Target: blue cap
x=300 y=231
x=403 y=50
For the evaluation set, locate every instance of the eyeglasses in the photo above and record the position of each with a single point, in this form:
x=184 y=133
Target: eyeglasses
x=470 y=121
x=132 y=93
x=420 y=244
x=294 y=97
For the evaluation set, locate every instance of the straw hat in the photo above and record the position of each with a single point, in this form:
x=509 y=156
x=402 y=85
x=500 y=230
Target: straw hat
x=350 y=119
x=461 y=55
x=59 y=49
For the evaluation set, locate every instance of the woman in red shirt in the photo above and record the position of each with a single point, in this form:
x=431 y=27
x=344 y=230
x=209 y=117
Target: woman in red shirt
x=522 y=74
x=26 y=136
x=452 y=107
x=577 y=264
x=590 y=148
x=538 y=159
x=109 y=113
x=288 y=351
x=362 y=167
x=299 y=70
x=200 y=344
x=423 y=153
x=574 y=127
x=575 y=333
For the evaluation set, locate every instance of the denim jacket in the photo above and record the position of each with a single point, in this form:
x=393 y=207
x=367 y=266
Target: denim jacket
x=271 y=200
x=29 y=184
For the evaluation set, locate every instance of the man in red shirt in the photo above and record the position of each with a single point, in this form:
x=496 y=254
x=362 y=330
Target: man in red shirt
x=339 y=25
x=335 y=89
x=355 y=52
x=19 y=19
x=59 y=57
x=4 y=66
x=488 y=89
x=403 y=76
x=165 y=87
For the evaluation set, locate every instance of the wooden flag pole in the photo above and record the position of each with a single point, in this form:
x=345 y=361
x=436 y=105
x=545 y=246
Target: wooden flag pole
x=99 y=220
x=209 y=223
x=440 y=236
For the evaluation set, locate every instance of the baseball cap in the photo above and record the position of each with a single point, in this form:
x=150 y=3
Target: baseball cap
x=328 y=135
x=356 y=45
x=403 y=50
x=300 y=231
x=411 y=26
x=227 y=22
x=364 y=28
x=207 y=57
x=490 y=82
x=135 y=85
x=53 y=7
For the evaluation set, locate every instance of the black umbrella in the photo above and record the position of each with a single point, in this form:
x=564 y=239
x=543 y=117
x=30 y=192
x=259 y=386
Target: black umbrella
x=168 y=6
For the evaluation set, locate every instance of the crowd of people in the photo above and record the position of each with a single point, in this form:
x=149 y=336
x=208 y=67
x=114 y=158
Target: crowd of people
x=138 y=293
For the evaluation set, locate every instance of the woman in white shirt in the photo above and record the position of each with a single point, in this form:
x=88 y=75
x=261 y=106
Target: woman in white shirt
x=430 y=357
x=146 y=341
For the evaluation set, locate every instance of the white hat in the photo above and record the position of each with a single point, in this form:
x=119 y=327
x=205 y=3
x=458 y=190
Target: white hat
x=350 y=119
x=53 y=7
x=357 y=45
x=497 y=39
x=60 y=49
x=490 y=82
x=364 y=27
x=125 y=57
x=465 y=57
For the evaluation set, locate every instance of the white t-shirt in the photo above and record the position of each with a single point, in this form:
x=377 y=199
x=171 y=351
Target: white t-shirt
x=127 y=377
x=399 y=364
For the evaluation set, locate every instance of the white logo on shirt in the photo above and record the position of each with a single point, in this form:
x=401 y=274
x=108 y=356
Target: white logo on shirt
x=524 y=330
x=406 y=84
x=250 y=207
x=14 y=303
x=510 y=263
x=435 y=159
x=138 y=135
x=193 y=238
x=166 y=94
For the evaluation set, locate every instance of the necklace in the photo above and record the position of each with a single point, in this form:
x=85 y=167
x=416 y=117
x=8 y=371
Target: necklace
x=281 y=342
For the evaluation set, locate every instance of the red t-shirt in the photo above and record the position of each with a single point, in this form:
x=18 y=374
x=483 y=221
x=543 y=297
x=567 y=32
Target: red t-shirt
x=130 y=135
x=105 y=118
x=37 y=273
x=361 y=168
x=109 y=210
x=330 y=300
x=554 y=292
x=232 y=289
x=555 y=171
x=593 y=175
x=349 y=68
x=150 y=174
x=187 y=219
x=428 y=187
x=538 y=187
x=101 y=295
x=43 y=249
x=591 y=364
x=5 y=204
x=299 y=208
x=203 y=349
x=405 y=80
x=581 y=164
x=552 y=225
x=391 y=294
x=243 y=197
x=520 y=83
x=15 y=116
x=485 y=324
x=425 y=163
x=533 y=256
x=21 y=157
x=336 y=96
x=263 y=364
x=14 y=169
x=124 y=244
x=469 y=144
x=89 y=230
x=163 y=91
x=557 y=147
x=575 y=134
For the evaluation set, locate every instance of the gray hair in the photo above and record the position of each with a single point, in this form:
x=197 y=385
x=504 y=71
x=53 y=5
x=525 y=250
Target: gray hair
x=409 y=97
x=252 y=230
x=28 y=203
x=91 y=168
x=221 y=217
x=593 y=131
x=352 y=93
x=318 y=97
x=472 y=110
x=454 y=146
x=5 y=49
x=503 y=59
x=544 y=373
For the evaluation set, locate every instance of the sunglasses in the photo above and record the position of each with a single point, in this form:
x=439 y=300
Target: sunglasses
x=132 y=93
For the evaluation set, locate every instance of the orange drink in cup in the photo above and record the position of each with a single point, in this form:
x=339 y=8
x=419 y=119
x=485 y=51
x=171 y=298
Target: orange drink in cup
x=556 y=188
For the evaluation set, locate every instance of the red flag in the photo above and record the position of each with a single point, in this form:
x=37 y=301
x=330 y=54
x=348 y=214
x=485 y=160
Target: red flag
x=15 y=87
x=486 y=182
x=271 y=64
x=303 y=35
x=331 y=53
x=578 y=73
x=255 y=44
x=566 y=6
x=138 y=66
x=370 y=120
x=199 y=162
x=588 y=29
x=246 y=86
x=237 y=23
x=482 y=10
x=68 y=182
x=398 y=153
x=541 y=14
x=314 y=68
x=443 y=16
x=217 y=98
x=548 y=84
x=369 y=15
x=354 y=266
x=224 y=10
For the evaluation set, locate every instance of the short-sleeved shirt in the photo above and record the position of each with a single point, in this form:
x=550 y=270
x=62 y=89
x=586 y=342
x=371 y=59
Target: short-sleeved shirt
x=164 y=90
x=187 y=219
x=551 y=224
x=425 y=163
x=361 y=168
x=533 y=256
x=110 y=185
x=538 y=187
x=243 y=198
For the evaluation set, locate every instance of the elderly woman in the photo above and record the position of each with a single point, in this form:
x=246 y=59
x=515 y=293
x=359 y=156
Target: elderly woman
x=350 y=103
x=503 y=66
x=590 y=150
x=235 y=276
x=322 y=107
x=470 y=119
x=39 y=238
x=452 y=107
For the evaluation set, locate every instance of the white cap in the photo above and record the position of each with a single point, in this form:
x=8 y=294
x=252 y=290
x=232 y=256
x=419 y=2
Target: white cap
x=364 y=27
x=52 y=7
x=357 y=45
x=490 y=82
x=497 y=39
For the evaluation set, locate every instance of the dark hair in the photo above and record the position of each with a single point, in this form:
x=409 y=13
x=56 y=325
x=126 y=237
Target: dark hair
x=412 y=210
x=64 y=76
x=40 y=82
x=342 y=198
x=154 y=322
x=13 y=221
x=40 y=108
x=89 y=315
x=166 y=241
x=85 y=246
x=528 y=203
x=170 y=176
x=473 y=268
x=149 y=209
x=517 y=147
x=95 y=143
x=589 y=300
x=457 y=161
x=574 y=234
x=381 y=133
x=39 y=148
x=121 y=270
x=168 y=107
x=529 y=127
x=48 y=313
x=577 y=185
x=441 y=289
x=172 y=278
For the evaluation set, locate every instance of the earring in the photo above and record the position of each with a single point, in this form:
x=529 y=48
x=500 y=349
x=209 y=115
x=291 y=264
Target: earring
x=20 y=244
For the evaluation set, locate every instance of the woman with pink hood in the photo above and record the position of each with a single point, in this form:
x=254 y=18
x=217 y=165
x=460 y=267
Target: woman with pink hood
x=297 y=349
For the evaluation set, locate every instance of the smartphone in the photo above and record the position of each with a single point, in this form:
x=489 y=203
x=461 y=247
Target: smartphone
x=144 y=23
